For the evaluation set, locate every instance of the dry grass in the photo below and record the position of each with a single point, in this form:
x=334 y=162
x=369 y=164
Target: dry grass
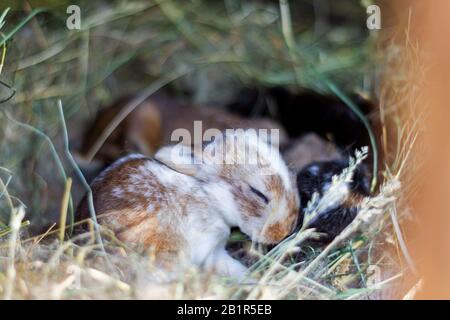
x=194 y=48
x=56 y=270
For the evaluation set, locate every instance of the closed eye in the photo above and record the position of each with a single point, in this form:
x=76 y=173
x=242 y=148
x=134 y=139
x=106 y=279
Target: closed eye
x=260 y=194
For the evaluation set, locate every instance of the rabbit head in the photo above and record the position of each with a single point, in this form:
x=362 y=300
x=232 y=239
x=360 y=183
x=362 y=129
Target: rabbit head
x=246 y=181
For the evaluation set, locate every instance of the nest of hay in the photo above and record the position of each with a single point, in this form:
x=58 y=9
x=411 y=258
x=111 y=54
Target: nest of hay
x=203 y=52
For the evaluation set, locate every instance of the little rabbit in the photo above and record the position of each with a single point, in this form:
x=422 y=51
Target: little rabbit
x=182 y=203
x=317 y=177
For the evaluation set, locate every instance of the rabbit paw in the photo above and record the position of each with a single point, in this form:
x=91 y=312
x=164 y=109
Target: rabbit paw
x=222 y=263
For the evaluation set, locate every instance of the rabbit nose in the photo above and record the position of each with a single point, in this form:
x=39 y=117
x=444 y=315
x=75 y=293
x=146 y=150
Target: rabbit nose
x=276 y=232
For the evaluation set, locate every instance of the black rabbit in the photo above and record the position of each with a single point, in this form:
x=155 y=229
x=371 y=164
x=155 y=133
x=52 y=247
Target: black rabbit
x=317 y=177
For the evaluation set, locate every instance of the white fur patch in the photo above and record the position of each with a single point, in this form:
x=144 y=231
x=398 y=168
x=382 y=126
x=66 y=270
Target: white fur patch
x=220 y=192
x=314 y=170
x=117 y=192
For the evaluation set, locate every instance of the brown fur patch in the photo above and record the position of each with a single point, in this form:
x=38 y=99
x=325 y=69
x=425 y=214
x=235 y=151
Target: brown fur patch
x=275 y=186
x=120 y=177
x=144 y=232
x=150 y=235
x=126 y=211
x=276 y=232
x=252 y=206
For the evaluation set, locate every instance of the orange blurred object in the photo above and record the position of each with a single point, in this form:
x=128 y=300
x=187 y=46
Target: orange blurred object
x=424 y=27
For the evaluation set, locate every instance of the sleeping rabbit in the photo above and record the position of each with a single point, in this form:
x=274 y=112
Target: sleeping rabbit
x=317 y=177
x=181 y=204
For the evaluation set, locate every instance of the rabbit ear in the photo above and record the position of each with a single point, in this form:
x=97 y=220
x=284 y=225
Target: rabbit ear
x=183 y=159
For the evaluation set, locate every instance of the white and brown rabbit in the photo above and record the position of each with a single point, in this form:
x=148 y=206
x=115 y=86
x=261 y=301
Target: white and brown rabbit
x=182 y=203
